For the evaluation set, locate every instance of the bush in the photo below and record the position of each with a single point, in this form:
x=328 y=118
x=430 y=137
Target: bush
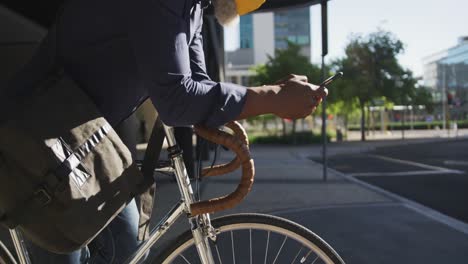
x=300 y=138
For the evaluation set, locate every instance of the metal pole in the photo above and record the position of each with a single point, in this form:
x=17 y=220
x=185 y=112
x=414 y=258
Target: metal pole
x=324 y=127
x=324 y=6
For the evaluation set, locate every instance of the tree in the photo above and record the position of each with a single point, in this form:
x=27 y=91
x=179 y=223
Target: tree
x=285 y=62
x=371 y=70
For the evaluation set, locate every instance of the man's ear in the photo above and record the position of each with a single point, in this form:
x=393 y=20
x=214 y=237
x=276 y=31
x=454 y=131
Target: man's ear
x=226 y=12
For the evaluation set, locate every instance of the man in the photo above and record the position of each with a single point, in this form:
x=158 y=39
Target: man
x=121 y=52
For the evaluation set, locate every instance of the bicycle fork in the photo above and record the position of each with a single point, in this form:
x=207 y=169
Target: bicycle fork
x=200 y=235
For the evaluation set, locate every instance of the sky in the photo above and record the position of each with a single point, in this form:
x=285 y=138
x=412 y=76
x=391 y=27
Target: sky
x=424 y=26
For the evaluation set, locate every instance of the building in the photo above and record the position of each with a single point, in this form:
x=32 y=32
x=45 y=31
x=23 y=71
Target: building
x=260 y=34
x=446 y=74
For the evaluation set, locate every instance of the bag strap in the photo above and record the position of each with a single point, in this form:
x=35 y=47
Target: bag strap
x=148 y=187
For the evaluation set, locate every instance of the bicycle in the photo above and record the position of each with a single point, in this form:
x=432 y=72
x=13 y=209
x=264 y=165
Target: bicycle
x=238 y=238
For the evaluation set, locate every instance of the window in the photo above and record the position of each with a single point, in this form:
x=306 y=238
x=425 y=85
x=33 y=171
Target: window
x=246 y=32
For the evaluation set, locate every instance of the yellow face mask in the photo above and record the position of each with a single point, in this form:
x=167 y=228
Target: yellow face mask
x=247 y=6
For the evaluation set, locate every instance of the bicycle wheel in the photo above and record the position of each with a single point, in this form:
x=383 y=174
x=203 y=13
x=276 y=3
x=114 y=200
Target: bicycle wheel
x=255 y=238
x=5 y=256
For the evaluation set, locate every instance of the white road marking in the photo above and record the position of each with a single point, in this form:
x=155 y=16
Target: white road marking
x=424 y=210
x=430 y=170
x=411 y=163
x=403 y=173
x=456 y=162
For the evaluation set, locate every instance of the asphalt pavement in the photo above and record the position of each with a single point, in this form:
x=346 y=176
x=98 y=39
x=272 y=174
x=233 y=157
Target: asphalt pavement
x=434 y=174
x=365 y=224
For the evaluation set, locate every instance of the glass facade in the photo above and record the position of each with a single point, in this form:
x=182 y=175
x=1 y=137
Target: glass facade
x=292 y=25
x=448 y=72
x=246 y=32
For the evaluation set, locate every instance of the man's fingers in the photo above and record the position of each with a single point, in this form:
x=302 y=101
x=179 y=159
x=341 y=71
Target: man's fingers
x=301 y=78
x=295 y=77
x=320 y=91
x=284 y=79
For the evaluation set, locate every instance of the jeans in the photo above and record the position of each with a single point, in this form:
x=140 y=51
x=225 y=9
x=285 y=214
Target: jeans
x=113 y=245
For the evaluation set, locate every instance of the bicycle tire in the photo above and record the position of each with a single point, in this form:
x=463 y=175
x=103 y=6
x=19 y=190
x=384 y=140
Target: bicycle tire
x=183 y=247
x=5 y=256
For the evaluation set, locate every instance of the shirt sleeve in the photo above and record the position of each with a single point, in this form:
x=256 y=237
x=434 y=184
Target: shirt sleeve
x=175 y=71
x=232 y=96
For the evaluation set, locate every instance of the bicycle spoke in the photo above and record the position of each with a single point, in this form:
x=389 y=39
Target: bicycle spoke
x=315 y=260
x=188 y=262
x=276 y=242
x=250 y=238
x=219 y=256
x=266 y=250
x=305 y=257
x=281 y=248
x=233 y=252
x=297 y=255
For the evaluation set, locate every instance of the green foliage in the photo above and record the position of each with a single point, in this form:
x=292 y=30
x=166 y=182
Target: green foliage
x=372 y=71
x=285 y=62
x=370 y=67
x=423 y=96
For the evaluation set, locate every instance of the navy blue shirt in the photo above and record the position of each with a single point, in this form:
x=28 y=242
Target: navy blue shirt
x=123 y=51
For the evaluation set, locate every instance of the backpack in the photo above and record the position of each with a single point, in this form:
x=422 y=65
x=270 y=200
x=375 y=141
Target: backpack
x=64 y=172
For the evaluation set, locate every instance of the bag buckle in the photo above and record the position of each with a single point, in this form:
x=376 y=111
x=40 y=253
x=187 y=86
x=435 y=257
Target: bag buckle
x=42 y=196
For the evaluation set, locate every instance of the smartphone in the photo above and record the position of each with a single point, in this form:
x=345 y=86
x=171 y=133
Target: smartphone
x=331 y=79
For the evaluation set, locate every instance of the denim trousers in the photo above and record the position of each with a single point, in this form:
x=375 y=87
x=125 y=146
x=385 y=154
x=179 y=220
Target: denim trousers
x=114 y=244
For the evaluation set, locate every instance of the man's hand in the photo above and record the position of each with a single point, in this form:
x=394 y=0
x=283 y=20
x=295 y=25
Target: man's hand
x=298 y=99
x=291 y=98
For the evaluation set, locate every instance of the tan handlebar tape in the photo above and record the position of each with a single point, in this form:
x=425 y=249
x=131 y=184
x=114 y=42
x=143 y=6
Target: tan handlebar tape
x=240 y=133
x=237 y=145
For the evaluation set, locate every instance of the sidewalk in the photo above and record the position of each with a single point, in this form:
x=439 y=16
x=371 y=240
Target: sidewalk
x=408 y=134
x=364 y=225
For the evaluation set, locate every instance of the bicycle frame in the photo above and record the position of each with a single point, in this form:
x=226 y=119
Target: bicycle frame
x=200 y=225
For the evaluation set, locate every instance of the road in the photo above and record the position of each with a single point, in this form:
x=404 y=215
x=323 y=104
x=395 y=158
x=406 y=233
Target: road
x=434 y=174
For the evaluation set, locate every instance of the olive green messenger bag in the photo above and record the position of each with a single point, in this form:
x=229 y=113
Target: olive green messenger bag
x=64 y=172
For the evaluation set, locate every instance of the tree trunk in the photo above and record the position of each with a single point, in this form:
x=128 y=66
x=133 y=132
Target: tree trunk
x=276 y=126
x=294 y=131
x=368 y=122
x=346 y=126
x=363 y=122
x=284 y=127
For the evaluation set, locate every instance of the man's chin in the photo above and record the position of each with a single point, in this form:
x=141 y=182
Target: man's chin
x=226 y=12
